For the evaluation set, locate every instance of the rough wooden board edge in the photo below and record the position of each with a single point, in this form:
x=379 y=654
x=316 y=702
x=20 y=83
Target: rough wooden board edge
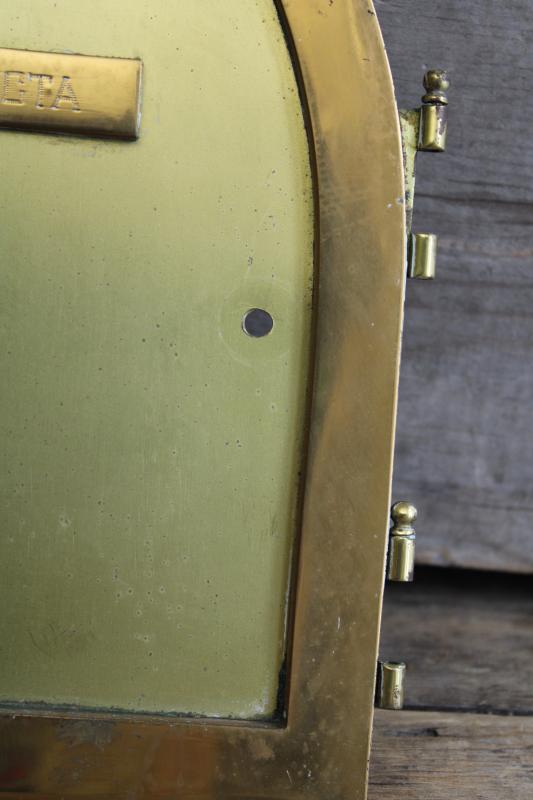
x=467 y=640
x=435 y=756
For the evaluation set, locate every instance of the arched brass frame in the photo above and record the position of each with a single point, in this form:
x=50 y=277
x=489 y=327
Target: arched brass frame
x=322 y=752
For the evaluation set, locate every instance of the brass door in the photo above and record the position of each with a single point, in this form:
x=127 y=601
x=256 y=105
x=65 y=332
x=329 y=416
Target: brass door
x=193 y=536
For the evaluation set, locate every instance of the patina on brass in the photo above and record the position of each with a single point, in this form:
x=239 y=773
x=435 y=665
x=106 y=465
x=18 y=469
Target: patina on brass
x=76 y=94
x=390 y=685
x=423 y=128
x=321 y=751
x=410 y=127
x=402 y=543
x=422 y=256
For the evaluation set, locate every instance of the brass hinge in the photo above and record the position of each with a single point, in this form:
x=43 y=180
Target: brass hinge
x=390 y=685
x=425 y=129
x=401 y=563
x=422 y=256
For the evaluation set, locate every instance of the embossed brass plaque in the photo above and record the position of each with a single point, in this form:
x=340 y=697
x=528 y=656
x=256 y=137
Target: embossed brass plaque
x=57 y=93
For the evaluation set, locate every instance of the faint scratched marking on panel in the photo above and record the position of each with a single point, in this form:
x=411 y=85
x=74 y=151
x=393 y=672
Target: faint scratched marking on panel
x=54 y=639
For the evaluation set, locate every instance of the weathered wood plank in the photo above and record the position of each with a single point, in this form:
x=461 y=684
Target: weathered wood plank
x=467 y=640
x=434 y=756
x=463 y=449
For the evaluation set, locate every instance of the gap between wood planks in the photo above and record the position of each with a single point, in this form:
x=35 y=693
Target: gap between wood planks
x=467 y=639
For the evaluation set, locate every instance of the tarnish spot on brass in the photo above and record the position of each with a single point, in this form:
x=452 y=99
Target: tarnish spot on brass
x=261 y=749
x=70 y=94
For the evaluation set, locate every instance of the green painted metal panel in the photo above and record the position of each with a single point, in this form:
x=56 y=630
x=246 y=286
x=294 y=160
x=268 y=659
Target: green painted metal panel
x=150 y=447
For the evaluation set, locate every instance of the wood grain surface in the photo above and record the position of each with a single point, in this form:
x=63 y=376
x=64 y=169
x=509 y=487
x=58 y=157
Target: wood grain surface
x=467 y=640
x=436 y=756
x=465 y=448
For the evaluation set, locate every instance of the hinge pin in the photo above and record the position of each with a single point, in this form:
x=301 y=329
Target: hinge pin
x=402 y=543
x=434 y=112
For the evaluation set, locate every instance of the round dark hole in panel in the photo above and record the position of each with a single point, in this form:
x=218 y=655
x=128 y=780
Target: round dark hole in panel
x=257 y=323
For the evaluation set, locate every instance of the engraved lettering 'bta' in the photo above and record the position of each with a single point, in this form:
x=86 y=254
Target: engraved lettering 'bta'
x=13 y=88
x=66 y=94
x=42 y=80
